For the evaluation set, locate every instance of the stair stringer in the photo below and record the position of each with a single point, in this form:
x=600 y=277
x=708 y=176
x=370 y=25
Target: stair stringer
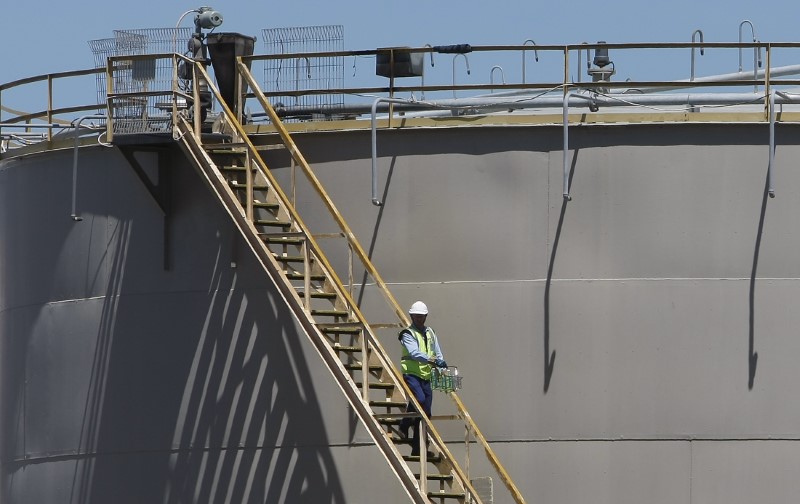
x=230 y=203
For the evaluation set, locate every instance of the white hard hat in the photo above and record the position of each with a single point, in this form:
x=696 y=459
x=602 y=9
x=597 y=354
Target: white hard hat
x=418 y=308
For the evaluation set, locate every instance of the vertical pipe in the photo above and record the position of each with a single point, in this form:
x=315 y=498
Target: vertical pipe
x=375 y=200
x=535 y=52
x=77 y=125
x=565 y=122
x=696 y=32
x=771 y=166
x=74 y=214
x=466 y=60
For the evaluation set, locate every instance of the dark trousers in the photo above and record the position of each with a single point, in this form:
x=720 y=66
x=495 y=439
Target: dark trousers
x=424 y=395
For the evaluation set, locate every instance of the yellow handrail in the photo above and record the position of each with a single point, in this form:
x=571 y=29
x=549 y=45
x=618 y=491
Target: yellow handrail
x=367 y=263
x=379 y=352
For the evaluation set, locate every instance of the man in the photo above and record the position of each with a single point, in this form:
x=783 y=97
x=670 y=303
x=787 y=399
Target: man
x=420 y=352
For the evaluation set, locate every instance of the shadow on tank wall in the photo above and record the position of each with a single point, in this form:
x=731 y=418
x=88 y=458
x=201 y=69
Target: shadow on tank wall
x=193 y=381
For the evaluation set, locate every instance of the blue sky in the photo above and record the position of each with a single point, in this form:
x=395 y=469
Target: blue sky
x=51 y=36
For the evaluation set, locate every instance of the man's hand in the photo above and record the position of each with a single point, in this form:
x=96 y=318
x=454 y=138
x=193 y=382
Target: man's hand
x=440 y=363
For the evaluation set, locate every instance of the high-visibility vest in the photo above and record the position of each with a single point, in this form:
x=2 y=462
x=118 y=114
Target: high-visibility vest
x=426 y=346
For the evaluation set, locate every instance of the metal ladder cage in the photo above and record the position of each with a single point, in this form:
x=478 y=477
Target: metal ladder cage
x=148 y=112
x=305 y=73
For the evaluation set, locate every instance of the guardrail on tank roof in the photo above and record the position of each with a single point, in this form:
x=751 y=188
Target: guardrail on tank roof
x=36 y=109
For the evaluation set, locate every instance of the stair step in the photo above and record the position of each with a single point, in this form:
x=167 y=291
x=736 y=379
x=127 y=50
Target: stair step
x=273 y=223
x=242 y=186
x=388 y=404
x=288 y=259
x=330 y=313
x=438 y=477
x=278 y=238
x=227 y=146
x=268 y=206
x=377 y=385
x=319 y=295
x=346 y=348
x=446 y=495
x=236 y=169
x=390 y=421
x=339 y=328
x=293 y=275
x=415 y=458
x=224 y=151
x=357 y=367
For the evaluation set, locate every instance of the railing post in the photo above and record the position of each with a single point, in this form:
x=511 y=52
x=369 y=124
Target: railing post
x=364 y=373
x=307 y=276
x=175 y=90
x=248 y=177
x=109 y=100
x=196 y=123
x=466 y=449
x=423 y=457
x=237 y=86
x=351 y=268
x=50 y=106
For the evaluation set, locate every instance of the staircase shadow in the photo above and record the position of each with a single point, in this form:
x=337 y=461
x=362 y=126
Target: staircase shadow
x=206 y=394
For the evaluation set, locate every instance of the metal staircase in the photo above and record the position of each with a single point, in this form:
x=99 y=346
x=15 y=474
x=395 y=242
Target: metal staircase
x=235 y=171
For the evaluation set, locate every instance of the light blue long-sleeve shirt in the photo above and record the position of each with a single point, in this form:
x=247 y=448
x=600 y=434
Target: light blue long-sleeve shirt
x=410 y=342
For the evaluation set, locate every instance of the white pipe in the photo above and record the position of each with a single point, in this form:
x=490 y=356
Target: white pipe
x=756 y=75
x=697 y=32
x=77 y=125
x=771 y=165
x=375 y=200
x=565 y=122
x=489 y=104
x=26 y=126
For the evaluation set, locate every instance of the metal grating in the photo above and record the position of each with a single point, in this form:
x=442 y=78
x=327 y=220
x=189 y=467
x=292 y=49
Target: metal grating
x=299 y=74
x=153 y=75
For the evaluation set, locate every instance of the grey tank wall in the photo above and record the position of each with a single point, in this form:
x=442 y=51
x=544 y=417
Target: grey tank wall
x=138 y=365
x=635 y=344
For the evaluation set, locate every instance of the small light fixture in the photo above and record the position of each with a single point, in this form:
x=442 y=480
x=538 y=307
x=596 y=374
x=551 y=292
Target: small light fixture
x=601 y=59
x=602 y=67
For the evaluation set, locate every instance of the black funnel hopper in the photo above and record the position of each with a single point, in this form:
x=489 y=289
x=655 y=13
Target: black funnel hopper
x=223 y=49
